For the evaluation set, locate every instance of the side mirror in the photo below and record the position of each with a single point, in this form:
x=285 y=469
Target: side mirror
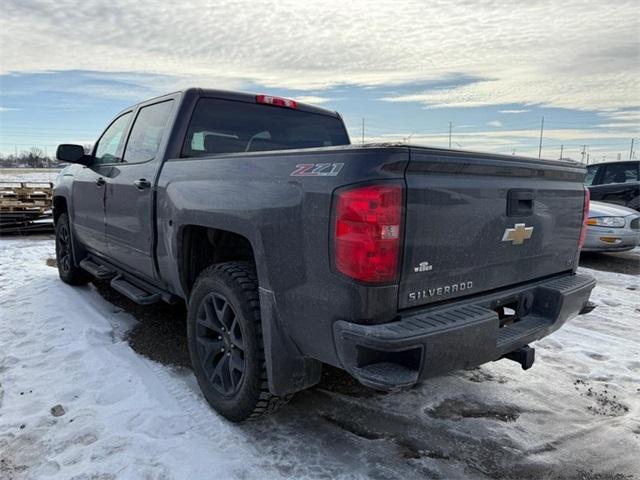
x=72 y=154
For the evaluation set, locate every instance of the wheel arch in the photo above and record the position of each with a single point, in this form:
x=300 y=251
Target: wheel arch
x=200 y=246
x=60 y=206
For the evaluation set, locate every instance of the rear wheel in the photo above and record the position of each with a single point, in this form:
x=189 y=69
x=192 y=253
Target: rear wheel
x=68 y=272
x=225 y=342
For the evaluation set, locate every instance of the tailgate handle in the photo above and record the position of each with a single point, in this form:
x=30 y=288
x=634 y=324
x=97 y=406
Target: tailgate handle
x=520 y=203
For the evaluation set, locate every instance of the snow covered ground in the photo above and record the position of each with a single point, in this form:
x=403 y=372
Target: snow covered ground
x=28 y=174
x=575 y=414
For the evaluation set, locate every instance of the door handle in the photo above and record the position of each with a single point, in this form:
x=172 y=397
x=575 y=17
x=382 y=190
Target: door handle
x=142 y=184
x=100 y=181
x=520 y=202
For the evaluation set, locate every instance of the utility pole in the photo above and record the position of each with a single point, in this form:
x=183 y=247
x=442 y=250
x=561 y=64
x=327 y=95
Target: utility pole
x=541 y=130
x=363 y=131
x=561 y=150
x=631 y=150
x=619 y=156
x=587 y=159
x=449 y=134
x=583 y=153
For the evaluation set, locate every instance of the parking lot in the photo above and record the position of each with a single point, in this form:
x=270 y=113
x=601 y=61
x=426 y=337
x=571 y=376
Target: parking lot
x=121 y=373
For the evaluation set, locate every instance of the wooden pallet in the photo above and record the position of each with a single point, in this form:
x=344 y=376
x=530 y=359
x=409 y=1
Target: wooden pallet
x=23 y=196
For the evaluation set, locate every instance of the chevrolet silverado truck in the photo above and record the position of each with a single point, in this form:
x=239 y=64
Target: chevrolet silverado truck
x=293 y=249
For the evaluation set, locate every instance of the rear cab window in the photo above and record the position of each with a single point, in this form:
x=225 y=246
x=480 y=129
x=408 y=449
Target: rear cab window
x=228 y=126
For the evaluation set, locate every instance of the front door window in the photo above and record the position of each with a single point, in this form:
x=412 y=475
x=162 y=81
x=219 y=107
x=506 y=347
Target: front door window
x=109 y=146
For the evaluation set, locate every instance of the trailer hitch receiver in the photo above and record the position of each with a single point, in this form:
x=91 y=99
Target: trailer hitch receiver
x=525 y=356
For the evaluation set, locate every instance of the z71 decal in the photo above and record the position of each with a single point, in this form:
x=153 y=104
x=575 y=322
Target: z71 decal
x=317 y=170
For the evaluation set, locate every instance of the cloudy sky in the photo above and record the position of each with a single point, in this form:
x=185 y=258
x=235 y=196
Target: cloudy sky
x=409 y=68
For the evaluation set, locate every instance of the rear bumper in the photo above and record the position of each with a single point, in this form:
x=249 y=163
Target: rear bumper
x=433 y=341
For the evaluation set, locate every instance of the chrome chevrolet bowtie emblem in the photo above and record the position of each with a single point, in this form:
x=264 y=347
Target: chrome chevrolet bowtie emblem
x=518 y=234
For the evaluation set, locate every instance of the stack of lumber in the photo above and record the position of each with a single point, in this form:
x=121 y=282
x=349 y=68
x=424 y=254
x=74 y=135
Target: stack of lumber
x=25 y=207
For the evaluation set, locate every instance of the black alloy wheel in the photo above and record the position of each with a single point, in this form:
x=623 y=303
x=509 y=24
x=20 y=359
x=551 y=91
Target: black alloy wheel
x=68 y=271
x=220 y=341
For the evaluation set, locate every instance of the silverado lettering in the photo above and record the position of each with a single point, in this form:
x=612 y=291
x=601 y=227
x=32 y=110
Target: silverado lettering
x=439 y=291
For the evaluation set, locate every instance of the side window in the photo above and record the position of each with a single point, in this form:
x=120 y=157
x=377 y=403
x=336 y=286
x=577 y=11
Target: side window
x=591 y=175
x=109 y=145
x=620 y=173
x=146 y=134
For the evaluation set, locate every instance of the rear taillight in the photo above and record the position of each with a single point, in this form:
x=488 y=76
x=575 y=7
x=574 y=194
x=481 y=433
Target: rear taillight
x=276 y=101
x=585 y=217
x=367 y=232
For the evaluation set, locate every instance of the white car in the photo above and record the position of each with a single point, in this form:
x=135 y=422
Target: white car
x=611 y=228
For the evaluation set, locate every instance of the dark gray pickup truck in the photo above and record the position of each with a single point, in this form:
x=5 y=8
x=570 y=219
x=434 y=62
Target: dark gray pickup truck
x=293 y=248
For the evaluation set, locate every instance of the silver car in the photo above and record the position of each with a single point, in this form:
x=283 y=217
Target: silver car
x=611 y=228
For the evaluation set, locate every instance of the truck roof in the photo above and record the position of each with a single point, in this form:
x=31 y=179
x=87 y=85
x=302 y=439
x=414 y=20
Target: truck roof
x=236 y=96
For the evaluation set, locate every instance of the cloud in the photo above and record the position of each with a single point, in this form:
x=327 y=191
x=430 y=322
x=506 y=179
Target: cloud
x=620 y=125
x=613 y=90
x=579 y=54
x=8 y=109
x=495 y=123
x=312 y=99
x=514 y=111
x=626 y=116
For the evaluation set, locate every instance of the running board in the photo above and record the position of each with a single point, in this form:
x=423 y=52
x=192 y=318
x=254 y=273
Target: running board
x=132 y=292
x=98 y=271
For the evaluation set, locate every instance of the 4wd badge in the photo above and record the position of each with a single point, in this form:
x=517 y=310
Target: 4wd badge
x=317 y=170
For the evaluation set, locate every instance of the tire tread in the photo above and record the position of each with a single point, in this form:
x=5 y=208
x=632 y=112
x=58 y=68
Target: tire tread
x=243 y=276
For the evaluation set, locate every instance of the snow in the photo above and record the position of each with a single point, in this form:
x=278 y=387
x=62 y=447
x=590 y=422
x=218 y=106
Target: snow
x=575 y=414
x=28 y=174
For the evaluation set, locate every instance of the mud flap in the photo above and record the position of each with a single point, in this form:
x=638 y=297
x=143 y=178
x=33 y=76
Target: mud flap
x=288 y=371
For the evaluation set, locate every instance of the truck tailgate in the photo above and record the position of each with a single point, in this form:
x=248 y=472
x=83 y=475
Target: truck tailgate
x=477 y=222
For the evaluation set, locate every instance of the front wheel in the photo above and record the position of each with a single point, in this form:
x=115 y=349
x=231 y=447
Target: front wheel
x=68 y=272
x=225 y=342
